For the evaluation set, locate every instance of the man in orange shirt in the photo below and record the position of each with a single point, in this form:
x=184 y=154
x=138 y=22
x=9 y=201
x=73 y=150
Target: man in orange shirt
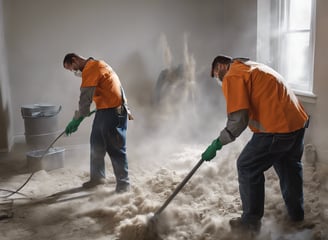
x=101 y=84
x=257 y=96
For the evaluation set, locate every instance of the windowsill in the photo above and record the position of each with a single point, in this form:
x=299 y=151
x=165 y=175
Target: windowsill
x=304 y=96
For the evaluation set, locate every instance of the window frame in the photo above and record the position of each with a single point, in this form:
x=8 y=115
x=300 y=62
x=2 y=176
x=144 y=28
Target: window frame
x=284 y=32
x=272 y=14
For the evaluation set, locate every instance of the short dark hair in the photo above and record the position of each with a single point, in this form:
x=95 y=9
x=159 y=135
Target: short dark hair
x=68 y=59
x=220 y=59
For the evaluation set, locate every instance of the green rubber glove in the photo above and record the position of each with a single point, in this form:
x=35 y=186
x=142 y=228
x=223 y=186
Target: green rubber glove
x=73 y=125
x=210 y=151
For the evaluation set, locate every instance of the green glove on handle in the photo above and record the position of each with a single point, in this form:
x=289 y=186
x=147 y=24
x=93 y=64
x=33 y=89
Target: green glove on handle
x=210 y=152
x=74 y=124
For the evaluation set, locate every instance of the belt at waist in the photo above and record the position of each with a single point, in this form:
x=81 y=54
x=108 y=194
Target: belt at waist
x=118 y=110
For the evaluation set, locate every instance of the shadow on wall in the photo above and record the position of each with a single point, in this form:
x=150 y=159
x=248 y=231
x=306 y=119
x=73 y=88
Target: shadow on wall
x=181 y=104
x=136 y=82
x=187 y=99
x=191 y=107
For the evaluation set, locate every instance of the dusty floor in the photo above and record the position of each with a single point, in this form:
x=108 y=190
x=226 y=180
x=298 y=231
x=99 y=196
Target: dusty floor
x=55 y=207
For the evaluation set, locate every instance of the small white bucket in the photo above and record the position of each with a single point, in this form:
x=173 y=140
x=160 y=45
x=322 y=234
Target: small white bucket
x=53 y=159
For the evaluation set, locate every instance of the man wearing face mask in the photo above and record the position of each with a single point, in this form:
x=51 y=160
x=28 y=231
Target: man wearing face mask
x=257 y=97
x=102 y=85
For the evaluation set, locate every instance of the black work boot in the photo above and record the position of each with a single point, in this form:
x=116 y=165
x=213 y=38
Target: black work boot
x=94 y=182
x=122 y=188
x=238 y=225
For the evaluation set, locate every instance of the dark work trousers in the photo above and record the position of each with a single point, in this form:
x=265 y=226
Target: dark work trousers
x=109 y=135
x=284 y=153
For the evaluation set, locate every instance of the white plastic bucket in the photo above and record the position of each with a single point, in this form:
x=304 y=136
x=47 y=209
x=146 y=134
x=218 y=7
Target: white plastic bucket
x=53 y=159
x=41 y=124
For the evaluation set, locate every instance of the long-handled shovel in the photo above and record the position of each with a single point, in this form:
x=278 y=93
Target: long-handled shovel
x=151 y=232
x=177 y=190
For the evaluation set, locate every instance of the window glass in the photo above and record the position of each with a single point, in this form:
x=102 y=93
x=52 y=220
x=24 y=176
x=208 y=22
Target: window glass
x=288 y=46
x=299 y=14
x=297 y=63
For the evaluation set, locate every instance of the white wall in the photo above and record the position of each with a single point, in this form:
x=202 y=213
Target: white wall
x=125 y=33
x=240 y=28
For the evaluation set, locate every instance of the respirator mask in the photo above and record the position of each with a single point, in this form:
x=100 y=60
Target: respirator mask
x=77 y=73
x=218 y=81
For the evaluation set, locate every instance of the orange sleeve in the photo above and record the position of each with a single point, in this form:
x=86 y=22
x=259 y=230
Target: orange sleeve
x=236 y=93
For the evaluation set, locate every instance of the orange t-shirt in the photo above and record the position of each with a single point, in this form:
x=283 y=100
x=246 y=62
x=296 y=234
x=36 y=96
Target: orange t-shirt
x=108 y=86
x=271 y=104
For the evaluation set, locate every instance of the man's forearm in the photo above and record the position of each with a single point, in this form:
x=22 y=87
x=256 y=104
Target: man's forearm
x=86 y=97
x=236 y=124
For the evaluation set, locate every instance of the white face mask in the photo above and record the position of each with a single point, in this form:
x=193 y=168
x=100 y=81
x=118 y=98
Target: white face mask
x=218 y=81
x=77 y=73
